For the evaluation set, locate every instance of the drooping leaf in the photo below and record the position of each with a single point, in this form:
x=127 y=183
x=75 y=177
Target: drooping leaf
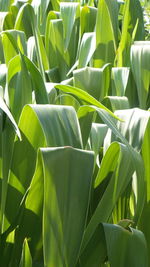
x=56 y=126
x=83 y=95
x=13 y=42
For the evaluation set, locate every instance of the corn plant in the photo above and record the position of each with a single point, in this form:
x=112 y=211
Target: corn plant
x=75 y=133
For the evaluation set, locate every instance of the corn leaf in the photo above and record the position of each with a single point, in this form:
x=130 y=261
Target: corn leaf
x=67 y=220
x=83 y=96
x=118 y=182
x=68 y=13
x=56 y=126
x=140 y=66
x=87 y=48
x=20 y=88
x=120 y=78
x=116 y=102
x=46 y=201
x=13 y=43
x=88 y=19
x=106 y=32
x=6 y=110
x=95 y=85
x=144 y=220
x=26 y=260
x=96 y=250
x=4 y=5
x=132 y=249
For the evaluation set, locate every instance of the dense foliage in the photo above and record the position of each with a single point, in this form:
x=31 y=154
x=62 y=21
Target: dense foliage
x=75 y=133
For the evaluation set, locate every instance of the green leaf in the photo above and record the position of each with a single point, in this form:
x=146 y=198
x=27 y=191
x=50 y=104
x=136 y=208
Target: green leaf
x=67 y=100
x=13 y=42
x=144 y=220
x=68 y=12
x=3 y=72
x=38 y=84
x=106 y=32
x=3 y=16
x=140 y=56
x=88 y=19
x=58 y=57
x=4 y=5
x=7 y=141
x=27 y=11
x=54 y=197
x=120 y=78
x=26 y=260
x=136 y=14
x=40 y=8
x=55 y=4
x=95 y=84
x=19 y=88
x=9 y=21
x=97 y=135
x=65 y=212
x=87 y=48
x=56 y=126
x=135 y=121
x=83 y=96
x=49 y=39
x=123 y=53
x=116 y=102
x=132 y=29
x=84 y=111
x=131 y=244
x=96 y=250
x=115 y=160
x=119 y=163
x=6 y=110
